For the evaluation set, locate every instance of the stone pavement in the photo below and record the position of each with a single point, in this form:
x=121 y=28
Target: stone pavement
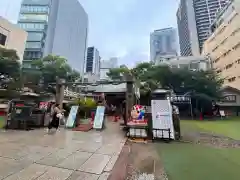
x=66 y=155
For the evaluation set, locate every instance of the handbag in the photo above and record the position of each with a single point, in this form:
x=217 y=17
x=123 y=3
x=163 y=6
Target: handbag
x=59 y=115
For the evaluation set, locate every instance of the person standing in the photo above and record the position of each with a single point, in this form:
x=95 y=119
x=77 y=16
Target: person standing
x=56 y=115
x=176 y=121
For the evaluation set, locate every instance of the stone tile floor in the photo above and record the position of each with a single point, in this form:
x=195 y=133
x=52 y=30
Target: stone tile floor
x=66 y=155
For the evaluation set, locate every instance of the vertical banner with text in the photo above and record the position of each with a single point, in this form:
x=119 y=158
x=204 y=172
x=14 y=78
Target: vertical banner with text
x=99 y=117
x=72 y=117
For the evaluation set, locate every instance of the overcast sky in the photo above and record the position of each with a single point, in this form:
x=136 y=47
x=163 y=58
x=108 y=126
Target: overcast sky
x=118 y=27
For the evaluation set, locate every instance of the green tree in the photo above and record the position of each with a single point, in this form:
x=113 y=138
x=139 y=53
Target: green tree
x=150 y=77
x=9 y=69
x=47 y=70
x=118 y=73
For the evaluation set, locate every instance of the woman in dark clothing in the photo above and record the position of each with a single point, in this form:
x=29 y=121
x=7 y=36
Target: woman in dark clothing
x=55 y=118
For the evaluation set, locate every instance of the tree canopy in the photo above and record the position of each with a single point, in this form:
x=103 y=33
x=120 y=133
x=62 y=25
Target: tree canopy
x=181 y=81
x=9 y=69
x=47 y=70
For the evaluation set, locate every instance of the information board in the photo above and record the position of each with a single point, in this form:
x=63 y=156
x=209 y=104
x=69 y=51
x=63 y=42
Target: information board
x=99 y=117
x=72 y=117
x=162 y=118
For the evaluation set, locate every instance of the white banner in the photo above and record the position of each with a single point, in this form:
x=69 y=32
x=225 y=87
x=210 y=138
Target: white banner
x=72 y=117
x=162 y=118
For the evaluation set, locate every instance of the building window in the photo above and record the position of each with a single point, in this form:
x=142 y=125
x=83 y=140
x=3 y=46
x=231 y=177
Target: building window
x=219 y=71
x=38 y=17
x=226 y=53
x=3 y=39
x=236 y=46
x=39 y=9
x=35 y=36
x=229 y=98
x=229 y=66
x=232 y=79
x=29 y=55
x=37 y=26
x=194 y=66
x=217 y=60
x=238 y=61
x=33 y=45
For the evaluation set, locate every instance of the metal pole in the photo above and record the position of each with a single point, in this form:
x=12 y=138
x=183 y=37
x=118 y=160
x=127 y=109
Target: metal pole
x=191 y=108
x=59 y=91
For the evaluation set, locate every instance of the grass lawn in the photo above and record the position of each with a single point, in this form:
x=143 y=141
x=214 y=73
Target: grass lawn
x=196 y=162
x=186 y=161
x=227 y=127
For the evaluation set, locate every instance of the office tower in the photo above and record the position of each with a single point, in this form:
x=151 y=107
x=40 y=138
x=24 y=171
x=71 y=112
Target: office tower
x=56 y=27
x=106 y=65
x=194 y=18
x=113 y=62
x=12 y=37
x=162 y=43
x=92 y=61
x=223 y=46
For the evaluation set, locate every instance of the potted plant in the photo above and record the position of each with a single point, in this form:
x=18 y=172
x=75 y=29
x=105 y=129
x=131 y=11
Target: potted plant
x=86 y=106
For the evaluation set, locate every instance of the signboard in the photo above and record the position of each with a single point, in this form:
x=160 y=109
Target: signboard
x=229 y=99
x=99 y=117
x=72 y=117
x=162 y=118
x=43 y=105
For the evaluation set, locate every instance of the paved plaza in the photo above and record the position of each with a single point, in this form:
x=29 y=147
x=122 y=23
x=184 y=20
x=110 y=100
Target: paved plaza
x=66 y=155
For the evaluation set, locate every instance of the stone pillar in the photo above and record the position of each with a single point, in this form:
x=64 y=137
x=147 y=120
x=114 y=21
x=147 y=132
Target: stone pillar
x=59 y=91
x=129 y=96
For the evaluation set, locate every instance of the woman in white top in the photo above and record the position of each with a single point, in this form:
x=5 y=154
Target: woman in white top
x=55 y=118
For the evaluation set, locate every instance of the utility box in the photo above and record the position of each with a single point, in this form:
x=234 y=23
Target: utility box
x=19 y=115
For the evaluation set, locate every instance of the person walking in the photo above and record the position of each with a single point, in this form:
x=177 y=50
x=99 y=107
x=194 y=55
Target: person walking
x=56 y=116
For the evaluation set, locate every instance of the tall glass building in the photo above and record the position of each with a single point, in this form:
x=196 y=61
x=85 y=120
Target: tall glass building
x=194 y=18
x=33 y=18
x=56 y=27
x=92 y=61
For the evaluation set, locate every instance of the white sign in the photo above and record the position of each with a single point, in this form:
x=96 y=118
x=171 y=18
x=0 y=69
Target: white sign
x=162 y=118
x=99 y=117
x=72 y=117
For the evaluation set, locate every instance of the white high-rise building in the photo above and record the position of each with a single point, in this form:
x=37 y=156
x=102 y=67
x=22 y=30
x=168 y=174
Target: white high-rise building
x=106 y=65
x=163 y=42
x=58 y=27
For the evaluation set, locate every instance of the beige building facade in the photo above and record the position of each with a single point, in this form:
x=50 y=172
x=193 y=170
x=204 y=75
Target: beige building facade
x=193 y=63
x=223 y=46
x=12 y=37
